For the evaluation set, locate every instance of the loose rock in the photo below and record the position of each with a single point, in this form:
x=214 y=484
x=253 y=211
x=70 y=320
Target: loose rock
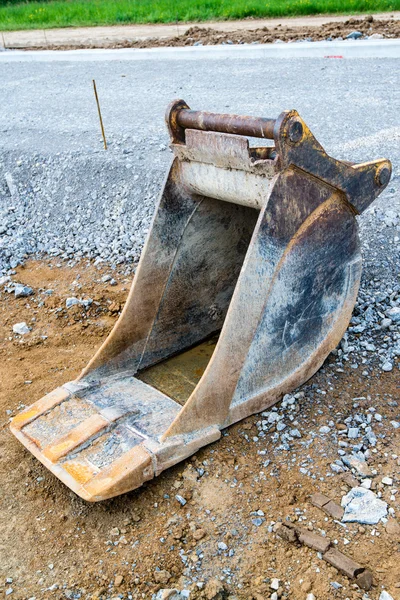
x=357 y=463
x=70 y=302
x=393 y=528
x=274 y=585
x=363 y=506
x=385 y=596
x=162 y=576
x=354 y=35
x=387 y=480
x=21 y=328
x=22 y=291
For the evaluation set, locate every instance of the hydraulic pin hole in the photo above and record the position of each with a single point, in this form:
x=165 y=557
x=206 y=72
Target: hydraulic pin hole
x=383 y=176
x=295 y=131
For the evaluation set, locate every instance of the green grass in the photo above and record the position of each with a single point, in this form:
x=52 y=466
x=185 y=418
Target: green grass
x=66 y=13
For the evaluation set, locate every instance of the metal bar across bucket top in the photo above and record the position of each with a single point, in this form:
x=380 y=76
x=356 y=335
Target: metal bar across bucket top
x=250 y=126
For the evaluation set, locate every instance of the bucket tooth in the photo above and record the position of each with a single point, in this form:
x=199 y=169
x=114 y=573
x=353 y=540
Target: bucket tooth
x=247 y=281
x=126 y=473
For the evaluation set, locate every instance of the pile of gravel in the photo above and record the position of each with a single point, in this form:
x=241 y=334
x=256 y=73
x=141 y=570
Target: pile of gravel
x=80 y=204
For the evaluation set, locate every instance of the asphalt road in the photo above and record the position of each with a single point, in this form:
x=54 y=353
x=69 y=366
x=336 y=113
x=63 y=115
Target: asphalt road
x=48 y=103
x=49 y=117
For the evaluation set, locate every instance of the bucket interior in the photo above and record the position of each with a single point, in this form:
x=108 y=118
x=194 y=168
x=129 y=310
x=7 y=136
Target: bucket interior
x=197 y=297
x=177 y=377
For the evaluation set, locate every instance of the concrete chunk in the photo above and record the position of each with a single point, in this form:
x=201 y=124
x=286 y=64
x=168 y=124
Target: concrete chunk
x=363 y=506
x=21 y=328
x=385 y=596
x=22 y=291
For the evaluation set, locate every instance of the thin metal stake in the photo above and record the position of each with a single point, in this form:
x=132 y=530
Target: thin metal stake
x=4 y=42
x=101 y=120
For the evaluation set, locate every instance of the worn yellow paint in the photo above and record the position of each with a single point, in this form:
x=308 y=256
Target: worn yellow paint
x=126 y=473
x=77 y=436
x=39 y=407
x=80 y=472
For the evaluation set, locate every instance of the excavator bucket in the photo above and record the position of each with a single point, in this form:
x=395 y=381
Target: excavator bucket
x=246 y=283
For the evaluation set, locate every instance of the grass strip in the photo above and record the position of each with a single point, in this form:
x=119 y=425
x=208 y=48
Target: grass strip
x=77 y=13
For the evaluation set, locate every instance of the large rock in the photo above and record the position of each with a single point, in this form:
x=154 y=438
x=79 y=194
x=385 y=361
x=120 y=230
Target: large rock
x=363 y=506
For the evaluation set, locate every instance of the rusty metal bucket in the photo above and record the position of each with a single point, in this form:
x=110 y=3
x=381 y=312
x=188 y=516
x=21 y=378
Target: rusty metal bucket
x=247 y=281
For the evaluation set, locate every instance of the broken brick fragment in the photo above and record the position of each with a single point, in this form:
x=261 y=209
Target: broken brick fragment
x=292 y=533
x=313 y=540
x=319 y=500
x=364 y=580
x=343 y=563
x=333 y=510
x=350 y=480
x=327 y=505
x=286 y=533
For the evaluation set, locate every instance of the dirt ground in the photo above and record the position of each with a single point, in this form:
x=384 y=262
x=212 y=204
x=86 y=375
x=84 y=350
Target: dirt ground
x=209 y=36
x=54 y=545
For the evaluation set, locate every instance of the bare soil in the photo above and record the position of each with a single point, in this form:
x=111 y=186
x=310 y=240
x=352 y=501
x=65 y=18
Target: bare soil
x=208 y=36
x=54 y=545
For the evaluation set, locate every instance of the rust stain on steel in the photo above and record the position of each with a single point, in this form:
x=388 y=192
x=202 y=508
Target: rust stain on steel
x=247 y=281
x=248 y=126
